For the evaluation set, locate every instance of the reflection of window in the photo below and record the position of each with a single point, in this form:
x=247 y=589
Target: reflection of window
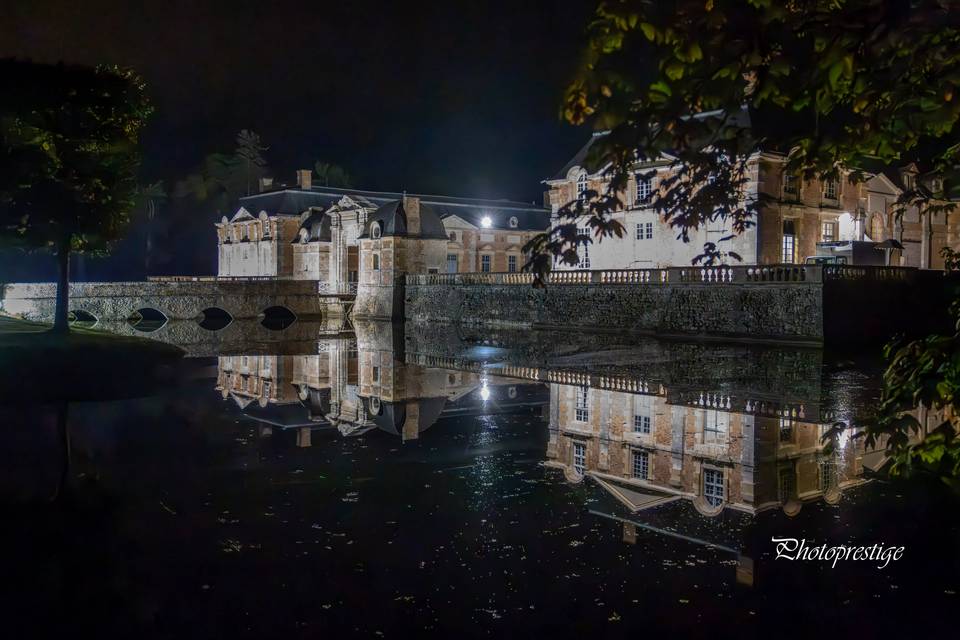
x=511 y=263
x=266 y=229
x=644 y=190
x=581 y=186
x=786 y=485
x=376 y=262
x=714 y=426
x=582 y=413
x=485 y=263
x=641 y=464
x=375 y=375
x=713 y=487
x=828 y=231
x=579 y=457
x=641 y=414
x=644 y=231
x=786 y=430
x=828 y=475
x=641 y=424
x=266 y=388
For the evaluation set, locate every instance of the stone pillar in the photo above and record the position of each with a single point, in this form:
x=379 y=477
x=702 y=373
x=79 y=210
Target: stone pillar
x=336 y=257
x=411 y=207
x=305 y=178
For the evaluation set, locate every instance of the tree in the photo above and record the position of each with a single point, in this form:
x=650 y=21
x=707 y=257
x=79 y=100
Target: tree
x=250 y=150
x=223 y=178
x=833 y=84
x=332 y=175
x=69 y=147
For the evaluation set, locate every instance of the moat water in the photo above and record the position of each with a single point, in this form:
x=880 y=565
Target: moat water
x=431 y=482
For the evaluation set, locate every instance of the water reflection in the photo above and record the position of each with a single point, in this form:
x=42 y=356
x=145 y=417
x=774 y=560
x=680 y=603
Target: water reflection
x=459 y=477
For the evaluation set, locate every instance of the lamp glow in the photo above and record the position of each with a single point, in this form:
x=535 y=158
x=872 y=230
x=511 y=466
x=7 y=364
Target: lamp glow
x=484 y=393
x=486 y=222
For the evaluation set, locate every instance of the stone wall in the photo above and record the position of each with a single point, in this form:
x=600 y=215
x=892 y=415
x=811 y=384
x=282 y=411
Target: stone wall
x=772 y=311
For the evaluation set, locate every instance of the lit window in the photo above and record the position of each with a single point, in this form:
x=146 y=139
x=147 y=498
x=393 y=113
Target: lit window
x=830 y=190
x=713 y=487
x=584 y=251
x=582 y=186
x=644 y=190
x=714 y=426
x=485 y=264
x=786 y=430
x=582 y=413
x=511 y=263
x=828 y=231
x=579 y=457
x=788 y=246
x=376 y=262
x=641 y=464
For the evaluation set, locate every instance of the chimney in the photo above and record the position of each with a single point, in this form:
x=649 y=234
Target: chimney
x=411 y=206
x=266 y=184
x=304 y=178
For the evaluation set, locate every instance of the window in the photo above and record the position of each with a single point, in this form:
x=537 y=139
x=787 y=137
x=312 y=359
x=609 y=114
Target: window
x=641 y=464
x=266 y=229
x=485 y=264
x=713 y=487
x=828 y=231
x=830 y=190
x=786 y=484
x=376 y=262
x=644 y=231
x=453 y=236
x=376 y=374
x=514 y=223
x=584 y=251
x=641 y=424
x=786 y=430
x=582 y=413
x=375 y=230
x=511 y=263
x=453 y=263
x=642 y=411
x=266 y=388
x=582 y=186
x=714 y=426
x=788 y=248
x=644 y=190
x=791 y=186
x=579 y=457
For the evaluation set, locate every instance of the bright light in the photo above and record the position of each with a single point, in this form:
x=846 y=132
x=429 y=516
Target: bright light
x=486 y=222
x=484 y=393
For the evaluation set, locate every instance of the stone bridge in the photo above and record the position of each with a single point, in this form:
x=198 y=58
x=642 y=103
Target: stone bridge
x=174 y=298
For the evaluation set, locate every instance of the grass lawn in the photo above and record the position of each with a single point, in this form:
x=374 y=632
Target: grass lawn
x=83 y=364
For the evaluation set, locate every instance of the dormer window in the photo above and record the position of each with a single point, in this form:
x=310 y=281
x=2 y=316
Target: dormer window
x=453 y=236
x=514 y=223
x=582 y=186
x=375 y=231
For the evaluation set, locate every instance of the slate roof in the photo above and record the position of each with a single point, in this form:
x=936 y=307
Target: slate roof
x=317 y=224
x=393 y=221
x=294 y=201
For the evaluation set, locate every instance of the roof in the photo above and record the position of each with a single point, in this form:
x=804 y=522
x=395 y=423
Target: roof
x=317 y=225
x=294 y=201
x=393 y=221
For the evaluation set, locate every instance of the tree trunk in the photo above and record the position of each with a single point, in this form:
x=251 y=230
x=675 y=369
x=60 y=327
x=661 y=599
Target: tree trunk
x=61 y=323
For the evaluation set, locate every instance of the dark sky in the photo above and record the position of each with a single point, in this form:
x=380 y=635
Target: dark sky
x=458 y=98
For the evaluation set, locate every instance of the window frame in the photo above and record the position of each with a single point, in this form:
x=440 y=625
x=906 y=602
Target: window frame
x=641 y=463
x=714 y=489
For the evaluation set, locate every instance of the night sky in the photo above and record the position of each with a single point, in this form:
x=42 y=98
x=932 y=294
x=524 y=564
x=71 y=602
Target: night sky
x=459 y=98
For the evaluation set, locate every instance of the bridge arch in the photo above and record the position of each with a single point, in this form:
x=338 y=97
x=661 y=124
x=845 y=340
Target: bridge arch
x=147 y=319
x=214 y=319
x=82 y=318
x=277 y=318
